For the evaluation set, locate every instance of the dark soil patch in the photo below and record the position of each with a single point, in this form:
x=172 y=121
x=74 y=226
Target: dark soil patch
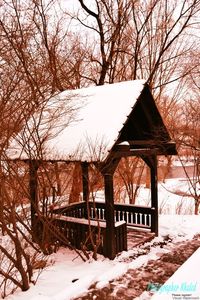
x=135 y=281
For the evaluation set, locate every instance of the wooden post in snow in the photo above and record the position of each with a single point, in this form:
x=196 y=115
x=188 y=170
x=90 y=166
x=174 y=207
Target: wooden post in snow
x=154 y=193
x=109 y=215
x=33 y=189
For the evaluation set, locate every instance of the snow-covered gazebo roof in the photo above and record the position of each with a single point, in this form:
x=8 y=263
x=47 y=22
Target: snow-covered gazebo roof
x=85 y=124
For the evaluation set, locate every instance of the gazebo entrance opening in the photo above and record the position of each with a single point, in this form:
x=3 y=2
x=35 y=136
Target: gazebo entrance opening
x=106 y=218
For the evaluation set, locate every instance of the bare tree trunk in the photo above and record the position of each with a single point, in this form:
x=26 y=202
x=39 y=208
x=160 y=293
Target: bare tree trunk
x=148 y=178
x=76 y=184
x=196 y=207
x=58 y=181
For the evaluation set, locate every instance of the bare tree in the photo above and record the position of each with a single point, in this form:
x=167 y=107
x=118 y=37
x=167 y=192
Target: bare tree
x=18 y=250
x=108 y=21
x=190 y=142
x=140 y=39
x=129 y=174
x=154 y=40
x=33 y=66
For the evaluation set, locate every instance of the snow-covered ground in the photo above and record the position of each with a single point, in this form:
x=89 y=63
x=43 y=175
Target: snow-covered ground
x=67 y=276
x=173 y=197
x=184 y=283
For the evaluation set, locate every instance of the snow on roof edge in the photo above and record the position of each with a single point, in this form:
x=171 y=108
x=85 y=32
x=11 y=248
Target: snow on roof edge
x=106 y=108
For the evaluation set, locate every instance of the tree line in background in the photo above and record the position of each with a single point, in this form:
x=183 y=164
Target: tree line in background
x=48 y=46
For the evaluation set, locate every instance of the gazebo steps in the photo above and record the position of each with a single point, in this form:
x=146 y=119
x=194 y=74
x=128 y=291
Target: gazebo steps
x=137 y=237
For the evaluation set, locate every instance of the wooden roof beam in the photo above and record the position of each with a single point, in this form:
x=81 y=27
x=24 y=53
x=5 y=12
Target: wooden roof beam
x=136 y=152
x=142 y=147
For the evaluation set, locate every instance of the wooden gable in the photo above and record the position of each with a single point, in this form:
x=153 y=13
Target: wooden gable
x=145 y=128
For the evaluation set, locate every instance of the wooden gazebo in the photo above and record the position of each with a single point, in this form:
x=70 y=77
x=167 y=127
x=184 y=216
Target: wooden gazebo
x=125 y=117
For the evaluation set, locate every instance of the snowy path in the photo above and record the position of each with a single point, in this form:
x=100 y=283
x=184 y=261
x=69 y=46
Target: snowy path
x=184 y=283
x=135 y=283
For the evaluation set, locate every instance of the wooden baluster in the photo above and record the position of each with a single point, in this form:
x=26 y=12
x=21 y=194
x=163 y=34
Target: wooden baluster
x=143 y=219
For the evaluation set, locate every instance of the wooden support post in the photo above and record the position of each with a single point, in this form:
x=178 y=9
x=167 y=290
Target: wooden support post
x=85 y=181
x=154 y=194
x=109 y=215
x=33 y=188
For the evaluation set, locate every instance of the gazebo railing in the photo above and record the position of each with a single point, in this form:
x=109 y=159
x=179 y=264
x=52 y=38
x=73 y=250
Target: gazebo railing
x=75 y=210
x=77 y=231
x=135 y=216
x=73 y=222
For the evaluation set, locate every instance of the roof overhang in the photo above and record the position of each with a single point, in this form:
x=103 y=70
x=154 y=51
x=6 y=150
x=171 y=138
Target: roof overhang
x=123 y=115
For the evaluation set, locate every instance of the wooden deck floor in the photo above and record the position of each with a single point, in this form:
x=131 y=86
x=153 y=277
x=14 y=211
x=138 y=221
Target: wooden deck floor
x=137 y=237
